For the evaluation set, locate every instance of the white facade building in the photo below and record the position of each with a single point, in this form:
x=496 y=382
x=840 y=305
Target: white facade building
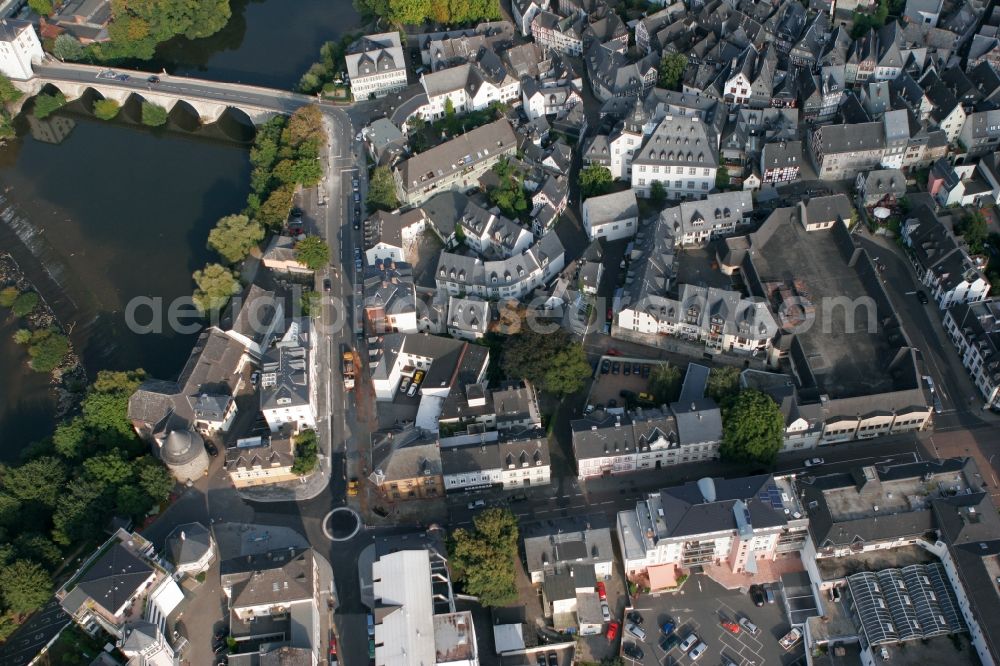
x=682 y=154
x=288 y=380
x=975 y=330
x=376 y=65
x=611 y=216
x=19 y=49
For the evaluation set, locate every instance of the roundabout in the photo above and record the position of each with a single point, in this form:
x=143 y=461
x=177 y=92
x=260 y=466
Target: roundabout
x=341 y=524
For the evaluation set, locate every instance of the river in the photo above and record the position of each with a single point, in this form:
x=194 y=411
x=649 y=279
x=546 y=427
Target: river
x=106 y=212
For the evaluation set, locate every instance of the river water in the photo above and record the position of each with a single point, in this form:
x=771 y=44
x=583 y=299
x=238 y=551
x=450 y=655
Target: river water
x=99 y=213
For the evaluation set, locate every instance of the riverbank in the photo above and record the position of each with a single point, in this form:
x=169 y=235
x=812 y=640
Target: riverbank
x=69 y=379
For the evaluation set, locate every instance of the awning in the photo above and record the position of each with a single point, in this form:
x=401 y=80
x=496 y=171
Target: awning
x=662 y=576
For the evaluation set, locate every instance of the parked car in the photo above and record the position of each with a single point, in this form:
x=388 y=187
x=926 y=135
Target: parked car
x=413 y=389
x=601 y=591
x=698 y=651
x=403 y=385
x=540 y=659
x=635 y=617
x=371 y=624
x=153 y=79
x=731 y=627
x=635 y=630
x=612 y=632
x=814 y=462
x=333 y=647
x=605 y=366
x=627 y=370
x=668 y=627
x=689 y=642
x=615 y=367
x=768 y=593
x=352 y=487
x=357 y=196
x=757 y=594
x=606 y=611
x=371 y=648
x=478 y=504
x=668 y=643
x=749 y=626
x=518 y=497
x=418 y=377
x=646 y=397
x=212 y=449
x=553 y=659
x=633 y=651
x=327 y=285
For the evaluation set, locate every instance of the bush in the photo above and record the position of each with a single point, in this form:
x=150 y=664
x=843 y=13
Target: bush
x=47 y=350
x=7 y=296
x=24 y=304
x=106 y=109
x=216 y=285
x=153 y=115
x=306 y=446
x=46 y=105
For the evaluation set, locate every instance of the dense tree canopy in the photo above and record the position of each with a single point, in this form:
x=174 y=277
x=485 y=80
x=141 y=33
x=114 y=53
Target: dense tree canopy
x=46 y=104
x=313 y=252
x=483 y=559
x=753 y=428
x=234 y=236
x=8 y=93
x=216 y=285
x=381 y=190
x=137 y=26
x=509 y=195
x=67 y=47
x=552 y=361
x=25 y=585
x=416 y=12
x=665 y=383
x=723 y=383
x=672 y=66
x=306 y=452
x=595 y=180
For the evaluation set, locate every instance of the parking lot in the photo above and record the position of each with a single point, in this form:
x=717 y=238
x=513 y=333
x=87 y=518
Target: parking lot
x=700 y=608
x=608 y=385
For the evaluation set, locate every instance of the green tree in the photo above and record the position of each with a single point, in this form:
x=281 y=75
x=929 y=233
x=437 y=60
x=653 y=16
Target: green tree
x=483 y=559
x=66 y=47
x=70 y=438
x=153 y=115
x=46 y=105
x=41 y=7
x=106 y=109
x=381 y=190
x=595 y=180
x=8 y=92
x=105 y=407
x=7 y=296
x=40 y=480
x=974 y=230
x=274 y=211
x=657 y=193
x=304 y=125
x=409 y=12
x=216 y=285
x=110 y=469
x=10 y=509
x=136 y=28
x=665 y=383
x=723 y=383
x=722 y=178
x=449 y=108
x=39 y=547
x=752 y=428
x=234 y=236
x=154 y=478
x=24 y=304
x=132 y=501
x=80 y=511
x=305 y=452
x=567 y=371
x=47 y=350
x=672 y=66
x=22 y=336
x=313 y=252
x=25 y=586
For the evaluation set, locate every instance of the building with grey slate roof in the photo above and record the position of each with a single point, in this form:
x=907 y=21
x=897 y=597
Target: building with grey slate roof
x=699 y=222
x=781 y=162
x=468 y=319
x=682 y=154
x=390 y=298
x=880 y=187
x=376 y=65
x=551 y=544
x=191 y=548
x=455 y=164
x=406 y=464
x=271 y=583
x=507 y=463
x=974 y=329
x=288 y=380
x=732 y=523
x=612 y=74
x=842 y=151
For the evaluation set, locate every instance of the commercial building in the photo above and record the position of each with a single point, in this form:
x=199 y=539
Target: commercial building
x=288 y=380
x=455 y=164
x=256 y=461
x=414 y=610
x=732 y=523
x=682 y=154
x=376 y=65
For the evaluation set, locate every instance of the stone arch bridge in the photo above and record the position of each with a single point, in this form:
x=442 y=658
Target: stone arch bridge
x=210 y=99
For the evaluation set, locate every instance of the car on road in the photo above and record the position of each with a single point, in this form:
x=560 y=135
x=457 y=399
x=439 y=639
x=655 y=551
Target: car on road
x=613 y=352
x=355 y=184
x=478 y=504
x=327 y=285
x=922 y=297
x=749 y=626
x=371 y=648
x=212 y=449
x=357 y=197
x=601 y=591
x=633 y=651
x=757 y=594
x=518 y=497
x=153 y=79
x=612 y=632
x=333 y=647
x=689 y=642
x=814 y=462
x=357 y=264
x=605 y=366
x=124 y=77
x=698 y=651
x=635 y=630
